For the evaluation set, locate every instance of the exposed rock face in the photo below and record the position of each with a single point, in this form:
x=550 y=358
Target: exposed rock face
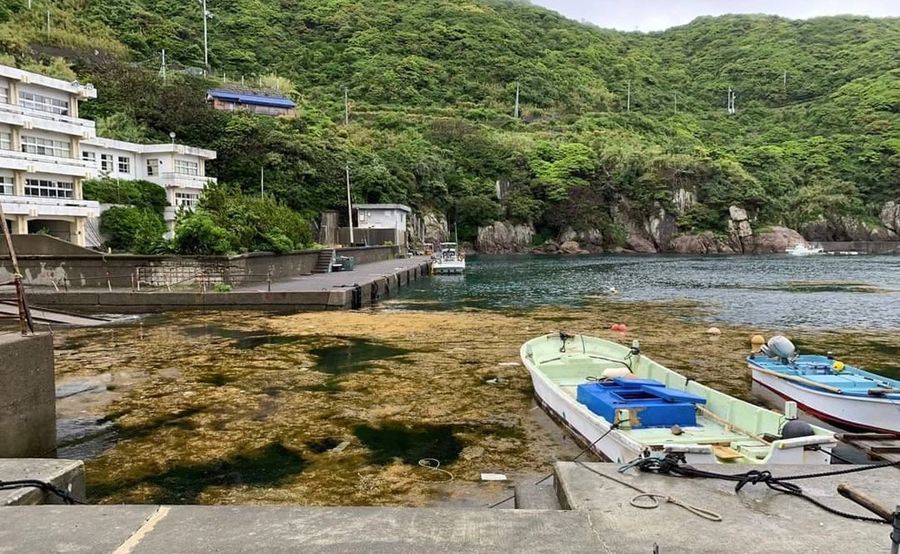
x=570 y=247
x=890 y=217
x=504 y=238
x=435 y=228
x=704 y=243
x=591 y=240
x=846 y=228
x=775 y=240
x=739 y=228
x=650 y=233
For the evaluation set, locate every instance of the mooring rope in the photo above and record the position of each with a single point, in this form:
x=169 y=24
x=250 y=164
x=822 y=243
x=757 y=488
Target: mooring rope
x=674 y=465
x=46 y=487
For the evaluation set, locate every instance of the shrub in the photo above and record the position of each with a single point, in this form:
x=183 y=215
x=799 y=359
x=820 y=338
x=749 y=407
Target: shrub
x=198 y=234
x=136 y=230
x=140 y=194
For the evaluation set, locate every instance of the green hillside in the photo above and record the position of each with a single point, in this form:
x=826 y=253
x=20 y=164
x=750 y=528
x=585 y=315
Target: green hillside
x=432 y=85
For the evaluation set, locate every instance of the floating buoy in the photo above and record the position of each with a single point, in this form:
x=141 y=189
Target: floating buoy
x=714 y=331
x=757 y=340
x=619 y=327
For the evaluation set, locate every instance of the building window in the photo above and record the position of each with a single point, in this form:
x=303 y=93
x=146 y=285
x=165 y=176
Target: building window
x=46 y=147
x=4 y=95
x=124 y=164
x=106 y=163
x=6 y=185
x=46 y=188
x=152 y=168
x=186 y=167
x=186 y=200
x=43 y=103
x=90 y=157
x=5 y=141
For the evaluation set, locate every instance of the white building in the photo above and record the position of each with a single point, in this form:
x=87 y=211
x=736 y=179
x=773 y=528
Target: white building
x=387 y=217
x=41 y=167
x=180 y=169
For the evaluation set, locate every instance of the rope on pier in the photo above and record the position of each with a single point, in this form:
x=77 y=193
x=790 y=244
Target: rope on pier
x=674 y=465
x=49 y=488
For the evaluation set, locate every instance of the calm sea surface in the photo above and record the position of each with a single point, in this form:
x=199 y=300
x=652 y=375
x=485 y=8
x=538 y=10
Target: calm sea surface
x=824 y=292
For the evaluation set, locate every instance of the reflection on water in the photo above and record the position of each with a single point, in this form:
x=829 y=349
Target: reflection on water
x=251 y=407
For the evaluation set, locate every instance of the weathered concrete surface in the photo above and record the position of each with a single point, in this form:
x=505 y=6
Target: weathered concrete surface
x=69 y=528
x=326 y=291
x=27 y=397
x=758 y=519
x=208 y=529
x=65 y=474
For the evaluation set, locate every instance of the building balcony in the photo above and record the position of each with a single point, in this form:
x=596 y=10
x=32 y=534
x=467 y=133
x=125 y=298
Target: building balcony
x=178 y=180
x=37 y=163
x=29 y=118
x=37 y=206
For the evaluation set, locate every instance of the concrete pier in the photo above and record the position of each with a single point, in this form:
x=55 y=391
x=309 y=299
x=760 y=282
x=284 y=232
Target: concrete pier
x=209 y=529
x=68 y=475
x=757 y=520
x=365 y=286
x=27 y=396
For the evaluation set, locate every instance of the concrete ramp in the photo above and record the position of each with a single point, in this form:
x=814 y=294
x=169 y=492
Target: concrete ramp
x=40 y=315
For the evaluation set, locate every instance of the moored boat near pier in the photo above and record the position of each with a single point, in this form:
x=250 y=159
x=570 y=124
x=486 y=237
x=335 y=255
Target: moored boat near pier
x=827 y=389
x=622 y=405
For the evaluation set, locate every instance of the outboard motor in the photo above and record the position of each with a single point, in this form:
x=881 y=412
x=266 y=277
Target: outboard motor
x=780 y=347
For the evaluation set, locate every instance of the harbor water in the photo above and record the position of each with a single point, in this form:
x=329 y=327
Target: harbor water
x=339 y=408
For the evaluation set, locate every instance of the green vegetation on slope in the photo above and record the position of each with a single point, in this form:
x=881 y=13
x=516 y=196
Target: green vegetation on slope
x=432 y=84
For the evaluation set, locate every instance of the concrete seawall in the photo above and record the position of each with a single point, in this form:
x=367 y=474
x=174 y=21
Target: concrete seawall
x=46 y=263
x=365 y=286
x=27 y=397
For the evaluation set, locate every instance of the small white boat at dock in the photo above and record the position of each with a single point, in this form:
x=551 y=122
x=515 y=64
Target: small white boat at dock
x=804 y=250
x=622 y=405
x=449 y=261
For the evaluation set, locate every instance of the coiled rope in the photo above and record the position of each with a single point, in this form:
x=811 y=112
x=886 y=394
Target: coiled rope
x=674 y=465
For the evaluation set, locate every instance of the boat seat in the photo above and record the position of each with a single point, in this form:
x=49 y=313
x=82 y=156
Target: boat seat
x=752 y=449
x=844 y=381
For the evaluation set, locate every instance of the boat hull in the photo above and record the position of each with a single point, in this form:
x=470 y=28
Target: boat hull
x=849 y=412
x=448 y=268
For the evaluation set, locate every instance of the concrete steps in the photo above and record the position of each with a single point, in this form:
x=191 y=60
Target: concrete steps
x=323 y=264
x=537 y=497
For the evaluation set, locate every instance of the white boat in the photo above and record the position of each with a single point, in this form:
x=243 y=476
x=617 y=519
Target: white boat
x=449 y=261
x=586 y=383
x=827 y=389
x=804 y=250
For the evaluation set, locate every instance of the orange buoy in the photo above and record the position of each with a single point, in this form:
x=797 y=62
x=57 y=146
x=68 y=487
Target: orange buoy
x=757 y=340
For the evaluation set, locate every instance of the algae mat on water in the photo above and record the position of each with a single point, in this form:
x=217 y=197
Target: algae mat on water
x=337 y=408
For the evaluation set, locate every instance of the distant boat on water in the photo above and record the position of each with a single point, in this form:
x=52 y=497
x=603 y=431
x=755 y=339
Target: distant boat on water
x=622 y=405
x=828 y=389
x=804 y=250
x=449 y=261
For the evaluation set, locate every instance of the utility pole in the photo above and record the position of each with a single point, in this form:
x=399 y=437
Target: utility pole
x=206 y=15
x=676 y=102
x=516 y=113
x=162 y=68
x=48 y=23
x=262 y=181
x=785 y=81
x=349 y=204
x=346 y=106
x=732 y=95
x=628 y=104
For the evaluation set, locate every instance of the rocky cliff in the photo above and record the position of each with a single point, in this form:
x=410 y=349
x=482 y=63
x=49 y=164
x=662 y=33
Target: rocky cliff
x=504 y=238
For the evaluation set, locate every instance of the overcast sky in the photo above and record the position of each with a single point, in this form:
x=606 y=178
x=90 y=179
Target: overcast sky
x=656 y=15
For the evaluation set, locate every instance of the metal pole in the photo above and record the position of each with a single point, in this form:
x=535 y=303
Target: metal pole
x=262 y=181
x=349 y=204
x=24 y=317
x=628 y=104
x=346 y=106
x=205 y=39
x=517 y=101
